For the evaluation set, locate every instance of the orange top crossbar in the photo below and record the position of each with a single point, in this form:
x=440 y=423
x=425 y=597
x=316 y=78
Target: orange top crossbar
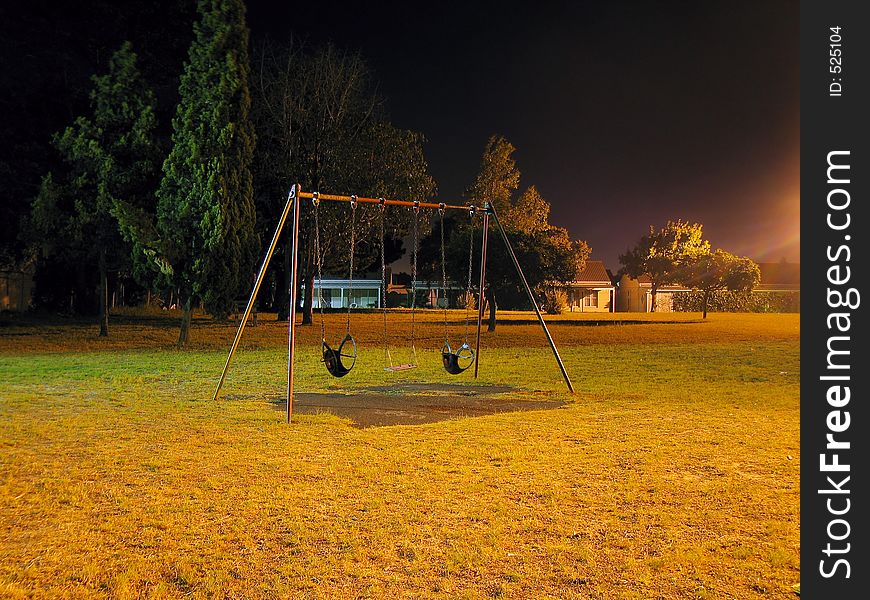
x=384 y=201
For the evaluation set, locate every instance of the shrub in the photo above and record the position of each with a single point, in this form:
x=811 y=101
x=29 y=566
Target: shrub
x=725 y=301
x=555 y=301
x=466 y=300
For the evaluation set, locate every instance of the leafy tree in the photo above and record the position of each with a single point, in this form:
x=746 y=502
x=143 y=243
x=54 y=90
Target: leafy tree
x=205 y=208
x=664 y=255
x=531 y=212
x=111 y=158
x=548 y=257
x=496 y=181
x=721 y=270
x=498 y=177
x=546 y=253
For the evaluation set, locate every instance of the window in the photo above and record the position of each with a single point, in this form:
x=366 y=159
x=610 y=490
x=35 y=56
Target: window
x=326 y=297
x=591 y=299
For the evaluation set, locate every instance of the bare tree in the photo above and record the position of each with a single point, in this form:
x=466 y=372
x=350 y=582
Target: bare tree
x=326 y=129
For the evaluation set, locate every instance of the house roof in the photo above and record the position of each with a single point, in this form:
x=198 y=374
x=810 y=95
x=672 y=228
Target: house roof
x=594 y=275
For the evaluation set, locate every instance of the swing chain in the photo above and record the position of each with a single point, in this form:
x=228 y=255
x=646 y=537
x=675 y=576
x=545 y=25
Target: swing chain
x=468 y=293
x=414 y=274
x=383 y=204
x=315 y=199
x=441 y=210
x=353 y=203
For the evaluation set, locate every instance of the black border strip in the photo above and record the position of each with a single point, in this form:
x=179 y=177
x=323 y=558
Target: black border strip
x=829 y=123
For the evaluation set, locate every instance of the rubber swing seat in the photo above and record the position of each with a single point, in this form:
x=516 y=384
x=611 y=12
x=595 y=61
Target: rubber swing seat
x=333 y=359
x=457 y=362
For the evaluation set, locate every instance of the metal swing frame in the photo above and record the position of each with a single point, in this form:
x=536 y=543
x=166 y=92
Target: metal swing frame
x=293 y=203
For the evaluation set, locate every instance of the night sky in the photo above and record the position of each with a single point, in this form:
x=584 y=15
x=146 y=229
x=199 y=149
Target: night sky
x=624 y=114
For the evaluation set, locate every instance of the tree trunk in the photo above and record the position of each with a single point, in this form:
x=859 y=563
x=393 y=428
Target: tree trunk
x=308 y=293
x=310 y=254
x=255 y=302
x=253 y=314
x=185 y=322
x=704 y=304
x=490 y=298
x=653 y=291
x=285 y=282
x=104 y=296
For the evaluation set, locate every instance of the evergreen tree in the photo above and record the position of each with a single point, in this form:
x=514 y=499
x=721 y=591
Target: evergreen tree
x=205 y=208
x=111 y=161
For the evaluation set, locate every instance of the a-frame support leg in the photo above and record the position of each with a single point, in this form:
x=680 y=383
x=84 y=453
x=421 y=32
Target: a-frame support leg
x=291 y=201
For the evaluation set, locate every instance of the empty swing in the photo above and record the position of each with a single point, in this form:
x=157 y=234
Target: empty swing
x=338 y=361
x=455 y=362
x=413 y=363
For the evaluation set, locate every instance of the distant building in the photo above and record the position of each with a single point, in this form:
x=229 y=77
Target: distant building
x=635 y=295
x=593 y=290
x=366 y=293
x=341 y=293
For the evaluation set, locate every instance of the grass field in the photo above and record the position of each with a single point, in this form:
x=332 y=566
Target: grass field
x=672 y=473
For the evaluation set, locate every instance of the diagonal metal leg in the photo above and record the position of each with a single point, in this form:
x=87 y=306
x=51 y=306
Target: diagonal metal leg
x=291 y=198
x=491 y=210
x=480 y=300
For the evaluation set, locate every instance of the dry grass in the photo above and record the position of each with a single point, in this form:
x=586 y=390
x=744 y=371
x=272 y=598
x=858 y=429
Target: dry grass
x=674 y=472
x=159 y=330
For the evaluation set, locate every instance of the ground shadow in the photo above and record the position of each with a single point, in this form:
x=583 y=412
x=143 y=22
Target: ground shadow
x=413 y=404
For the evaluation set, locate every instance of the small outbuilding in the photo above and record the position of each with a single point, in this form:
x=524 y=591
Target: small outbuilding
x=635 y=295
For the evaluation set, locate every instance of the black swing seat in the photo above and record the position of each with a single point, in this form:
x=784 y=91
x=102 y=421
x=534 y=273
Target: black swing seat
x=457 y=362
x=333 y=358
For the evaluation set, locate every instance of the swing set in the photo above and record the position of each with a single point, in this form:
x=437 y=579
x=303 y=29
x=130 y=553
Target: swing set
x=340 y=360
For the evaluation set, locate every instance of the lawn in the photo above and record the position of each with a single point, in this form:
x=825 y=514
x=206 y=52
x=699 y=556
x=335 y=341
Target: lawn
x=672 y=473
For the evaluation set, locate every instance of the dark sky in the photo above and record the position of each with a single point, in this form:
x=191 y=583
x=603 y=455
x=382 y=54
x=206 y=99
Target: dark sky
x=624 y=114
